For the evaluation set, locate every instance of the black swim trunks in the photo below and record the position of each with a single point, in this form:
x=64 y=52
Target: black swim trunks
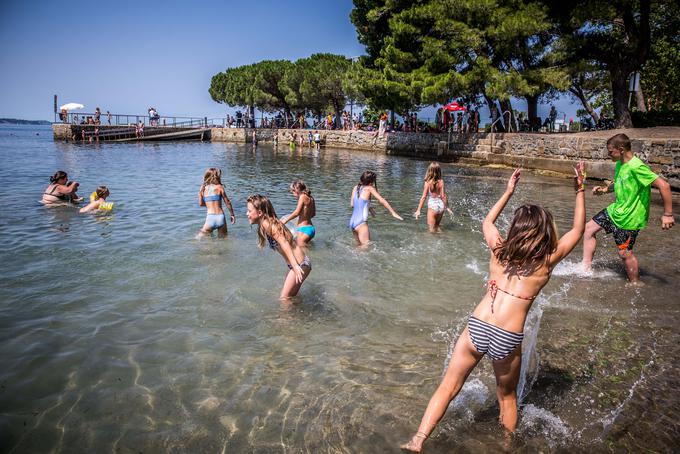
x=624 y=239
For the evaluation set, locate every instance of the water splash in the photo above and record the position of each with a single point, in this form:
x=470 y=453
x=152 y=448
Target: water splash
x=471 y=399
x=536 y=420
x=575 y=268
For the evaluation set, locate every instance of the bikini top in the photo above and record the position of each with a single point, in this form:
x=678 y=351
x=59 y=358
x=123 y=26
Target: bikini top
x=59 y=196
x=210 y=194
x=493 y=289
x=272 y=242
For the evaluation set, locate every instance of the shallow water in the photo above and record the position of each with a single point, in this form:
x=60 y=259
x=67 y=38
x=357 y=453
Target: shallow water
x=123 y=332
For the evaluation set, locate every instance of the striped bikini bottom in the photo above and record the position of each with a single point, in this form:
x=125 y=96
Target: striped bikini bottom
x=492 y=340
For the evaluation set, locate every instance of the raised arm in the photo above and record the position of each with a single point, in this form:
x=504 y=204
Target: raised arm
x=351 y=198
x=667 y=219
x=384 y=202
x=491 y=233
x=421 y=202
x=295 y=213
x=570 y=239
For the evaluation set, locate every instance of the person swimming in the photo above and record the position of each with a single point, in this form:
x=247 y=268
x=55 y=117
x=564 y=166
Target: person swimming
x=521 y=265
x=60 y=190
x=360 y=202
x=304 y=211
x=98 y=201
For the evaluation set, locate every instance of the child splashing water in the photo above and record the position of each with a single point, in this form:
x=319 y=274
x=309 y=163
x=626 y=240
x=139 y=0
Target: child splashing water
x=361 y=207
x=274 y=232
x=305 y=211
x=433 y=191
x=210 y=196
x=520 y=267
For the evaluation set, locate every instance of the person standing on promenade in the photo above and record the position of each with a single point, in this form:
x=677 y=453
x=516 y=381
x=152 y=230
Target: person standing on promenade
x=630 y=212
x=304 y=211
x=211 y=195
x=108 y=117
x=361 y=207
x=520 y=266
x=434 y=192
x=97 y=116
x=270 y=230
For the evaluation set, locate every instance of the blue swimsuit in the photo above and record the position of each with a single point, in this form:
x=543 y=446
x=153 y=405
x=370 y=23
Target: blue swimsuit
x=360 y=212
x=214 y=221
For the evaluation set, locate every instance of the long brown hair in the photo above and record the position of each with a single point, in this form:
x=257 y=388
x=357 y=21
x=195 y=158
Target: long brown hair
x=531 y=239
x=58 y=175
x=433 y=175
x=212 y=176
x=367 y=178
x=263 y=204
x=300 y=187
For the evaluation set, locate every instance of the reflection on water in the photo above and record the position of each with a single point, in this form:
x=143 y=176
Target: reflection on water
x=124 y=332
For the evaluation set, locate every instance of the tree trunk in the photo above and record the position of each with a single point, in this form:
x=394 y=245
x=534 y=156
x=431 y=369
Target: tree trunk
x=577 y=91
x=392 y=119
x=640 y=100
x=493 y=111
x=338 y=114
x=532 y=108
x=619 y=80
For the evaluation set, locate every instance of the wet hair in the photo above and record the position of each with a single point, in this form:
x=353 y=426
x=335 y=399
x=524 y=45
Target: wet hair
x=263 y=204
x=367 y=178
x=300 y=187
x=212 y=176
x=102 y=192
x=434 y=174
x=58 y=175
x=619 y=141
x=531 y=239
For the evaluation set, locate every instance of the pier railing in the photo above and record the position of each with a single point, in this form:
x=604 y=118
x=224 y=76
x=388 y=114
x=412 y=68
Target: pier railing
x=134 y=119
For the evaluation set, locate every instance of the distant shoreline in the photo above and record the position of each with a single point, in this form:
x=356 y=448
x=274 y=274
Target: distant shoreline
x=15 y=121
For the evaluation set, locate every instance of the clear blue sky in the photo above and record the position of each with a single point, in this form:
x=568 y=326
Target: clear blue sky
x=126 y=56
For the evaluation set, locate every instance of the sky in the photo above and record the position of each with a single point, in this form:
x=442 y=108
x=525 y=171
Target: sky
x=127 y=56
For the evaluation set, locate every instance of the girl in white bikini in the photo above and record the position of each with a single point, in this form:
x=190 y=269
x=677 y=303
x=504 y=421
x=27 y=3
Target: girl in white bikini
x=437 y=202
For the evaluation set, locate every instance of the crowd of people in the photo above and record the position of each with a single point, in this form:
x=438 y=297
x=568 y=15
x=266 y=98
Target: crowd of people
x=521 y=261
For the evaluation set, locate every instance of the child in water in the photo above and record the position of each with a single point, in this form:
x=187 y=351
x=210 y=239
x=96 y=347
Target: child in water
x=305 y=211
x=437 y=202
x=361 y=207
x=520 y=267
x=210 y=196
x=98 y=201
x=273 y=231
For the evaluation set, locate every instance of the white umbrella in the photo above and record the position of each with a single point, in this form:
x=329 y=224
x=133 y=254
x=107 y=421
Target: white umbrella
x=72 y=106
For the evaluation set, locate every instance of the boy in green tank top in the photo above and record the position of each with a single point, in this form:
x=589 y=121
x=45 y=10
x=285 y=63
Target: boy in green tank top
x=630 y=212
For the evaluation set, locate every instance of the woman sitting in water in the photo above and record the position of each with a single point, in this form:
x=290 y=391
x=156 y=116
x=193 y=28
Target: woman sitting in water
x=270 y=229
x=433 y=191
x=520 y=266
x=361 y=206
x=305 y=211
x=60 y=190
x=210 y=196
x=98 y=201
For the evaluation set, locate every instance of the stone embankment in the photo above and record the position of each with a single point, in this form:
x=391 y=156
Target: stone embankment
x=659 y=147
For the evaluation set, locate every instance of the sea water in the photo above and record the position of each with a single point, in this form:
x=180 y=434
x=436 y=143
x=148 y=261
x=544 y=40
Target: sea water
x=123 y=332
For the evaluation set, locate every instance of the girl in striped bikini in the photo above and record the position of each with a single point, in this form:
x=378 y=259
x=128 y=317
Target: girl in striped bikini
x=520 y=266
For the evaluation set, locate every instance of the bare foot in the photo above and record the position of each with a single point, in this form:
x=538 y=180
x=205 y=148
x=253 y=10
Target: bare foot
x=637 y=283
x=416 y=443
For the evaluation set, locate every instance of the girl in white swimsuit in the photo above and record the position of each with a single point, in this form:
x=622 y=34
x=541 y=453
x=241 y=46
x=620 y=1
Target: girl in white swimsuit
x=437 y=202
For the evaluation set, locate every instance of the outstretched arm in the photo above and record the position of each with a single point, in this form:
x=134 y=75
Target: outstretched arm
x=570 y=239
x=384 y=203
x=295 y=213
x=351 y=198
x=667 y=220
x=491 y=233
x=421 y=202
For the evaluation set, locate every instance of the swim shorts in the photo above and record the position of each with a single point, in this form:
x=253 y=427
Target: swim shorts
x=624 y=239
